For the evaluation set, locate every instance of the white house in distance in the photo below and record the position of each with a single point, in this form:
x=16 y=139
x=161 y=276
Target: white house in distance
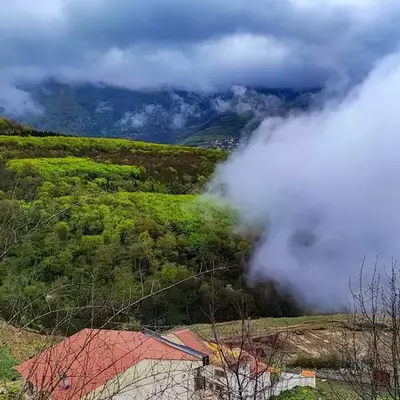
x=233 y=373
x=105 y=364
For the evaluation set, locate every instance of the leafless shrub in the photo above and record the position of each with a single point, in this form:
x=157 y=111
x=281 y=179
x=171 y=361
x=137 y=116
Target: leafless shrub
x=370 y=338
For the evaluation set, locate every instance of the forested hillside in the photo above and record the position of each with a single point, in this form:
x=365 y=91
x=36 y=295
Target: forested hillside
x=105 y=222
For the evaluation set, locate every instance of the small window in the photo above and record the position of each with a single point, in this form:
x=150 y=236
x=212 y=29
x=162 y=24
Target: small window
x=220 y=373
x=64 y=381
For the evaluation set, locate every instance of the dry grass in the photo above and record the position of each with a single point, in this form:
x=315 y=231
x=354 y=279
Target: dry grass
x=258 y=327
x=22 y=344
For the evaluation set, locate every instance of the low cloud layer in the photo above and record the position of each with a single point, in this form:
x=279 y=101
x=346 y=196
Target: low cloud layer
x=199 y=44
x=245 y=101
x=324 y=189
x=17 y=102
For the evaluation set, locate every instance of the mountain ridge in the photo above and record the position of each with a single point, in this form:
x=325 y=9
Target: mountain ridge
x=168 y=116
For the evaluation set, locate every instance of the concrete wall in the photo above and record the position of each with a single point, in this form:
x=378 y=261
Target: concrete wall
x=151 y=379
x=289 y=381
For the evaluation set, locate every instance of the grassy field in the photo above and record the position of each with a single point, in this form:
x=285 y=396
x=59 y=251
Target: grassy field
x=325 y=390
x=260 y=326
x=328 y=390
x=332 y=390
x=7 y=362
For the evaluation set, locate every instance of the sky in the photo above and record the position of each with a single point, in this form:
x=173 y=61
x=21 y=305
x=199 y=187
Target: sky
x=196 y=44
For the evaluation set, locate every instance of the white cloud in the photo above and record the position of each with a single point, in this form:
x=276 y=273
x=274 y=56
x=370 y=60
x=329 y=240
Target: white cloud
x=133 y=120
x=16 y=102
x=324 y=188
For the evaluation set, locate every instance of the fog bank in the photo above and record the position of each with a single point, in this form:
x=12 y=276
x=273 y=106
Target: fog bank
x=324 y=188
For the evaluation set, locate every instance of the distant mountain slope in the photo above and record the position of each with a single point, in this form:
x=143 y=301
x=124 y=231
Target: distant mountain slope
x=9 y=127
x=164 y=116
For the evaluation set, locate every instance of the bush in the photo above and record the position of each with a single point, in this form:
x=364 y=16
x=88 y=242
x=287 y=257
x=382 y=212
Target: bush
x=329 y=361
x=7 y=362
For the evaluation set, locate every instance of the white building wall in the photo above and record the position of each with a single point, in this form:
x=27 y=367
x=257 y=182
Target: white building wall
x=151 y=379
x=241 y=386
x=174 y=380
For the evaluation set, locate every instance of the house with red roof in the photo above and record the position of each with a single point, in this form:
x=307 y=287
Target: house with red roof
x=99 y=364
x=105 y=364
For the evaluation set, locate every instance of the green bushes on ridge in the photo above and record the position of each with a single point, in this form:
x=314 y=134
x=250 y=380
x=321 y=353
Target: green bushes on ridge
x=90 y=145
x=52 y=169
x=13 y=128
x=179 y=169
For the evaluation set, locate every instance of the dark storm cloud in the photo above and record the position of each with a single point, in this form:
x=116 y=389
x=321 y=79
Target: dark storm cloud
x=196 y=43
x=125 y=21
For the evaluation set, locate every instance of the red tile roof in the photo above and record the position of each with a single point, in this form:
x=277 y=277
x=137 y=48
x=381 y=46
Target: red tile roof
x=189 y=339
x=92 y=357
x=223 y=352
